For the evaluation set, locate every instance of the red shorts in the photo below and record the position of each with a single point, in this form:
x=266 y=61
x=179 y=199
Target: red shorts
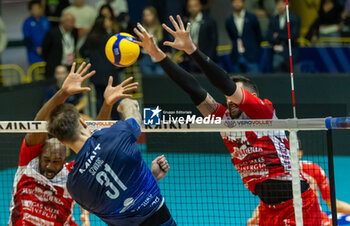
x=283 y=214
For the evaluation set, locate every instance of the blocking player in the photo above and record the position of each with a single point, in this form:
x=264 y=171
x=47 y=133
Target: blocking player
x=109 y=177
x=262 y=159
x=318 y=181
x=40 y=196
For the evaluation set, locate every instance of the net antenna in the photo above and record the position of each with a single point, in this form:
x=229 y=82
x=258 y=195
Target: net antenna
x=293 y=139
x=290 y=59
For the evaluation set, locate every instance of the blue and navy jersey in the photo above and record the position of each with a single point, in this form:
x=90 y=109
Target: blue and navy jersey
x=110 y=178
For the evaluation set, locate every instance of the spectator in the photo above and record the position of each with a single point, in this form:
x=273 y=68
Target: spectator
x=345 y=30
x=84 y=15
x=53 y=10
x=244 y=30
x=118 y=9
x=278 y=37
x=3 y=36
x=264 y=10
x=267 y=7
x=34 y=30
x=328 y=22
x=168 y=7
x=107 y=11
x=59 y=46
x=94 y=49
x=203 y=33
x=61 y=74
x=150 y=21
x=118 y=6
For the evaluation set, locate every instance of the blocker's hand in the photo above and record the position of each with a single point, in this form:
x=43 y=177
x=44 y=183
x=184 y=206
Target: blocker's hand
x=74 y=80
x=182 y=37
x=160 y=167
x=113 y=94
x=148 y=43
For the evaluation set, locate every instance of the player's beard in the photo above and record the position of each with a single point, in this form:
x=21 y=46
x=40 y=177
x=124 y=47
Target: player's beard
x=234 y=111
x=49 y=174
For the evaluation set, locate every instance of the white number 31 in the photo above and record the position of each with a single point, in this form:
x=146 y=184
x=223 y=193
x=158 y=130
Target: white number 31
x=103 y=179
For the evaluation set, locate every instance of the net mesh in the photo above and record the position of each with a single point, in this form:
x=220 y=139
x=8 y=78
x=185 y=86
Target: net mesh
x=202 y=187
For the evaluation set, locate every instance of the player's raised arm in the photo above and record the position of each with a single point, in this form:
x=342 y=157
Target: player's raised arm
x=200 y=97
x=130 y=109
x=71 y=86
x=217 y=76
x=113 y=94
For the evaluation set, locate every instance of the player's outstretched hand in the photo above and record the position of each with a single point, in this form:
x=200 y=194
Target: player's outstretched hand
x=160 y=167
x=113 y=94
x=147 y=42
x=74 y=80
x=182 y=37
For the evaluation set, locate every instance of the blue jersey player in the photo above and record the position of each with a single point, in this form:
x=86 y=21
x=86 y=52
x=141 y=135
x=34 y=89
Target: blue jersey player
x=109 y=177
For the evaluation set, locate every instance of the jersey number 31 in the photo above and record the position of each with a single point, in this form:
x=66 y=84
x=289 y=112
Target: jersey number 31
x=103 y=179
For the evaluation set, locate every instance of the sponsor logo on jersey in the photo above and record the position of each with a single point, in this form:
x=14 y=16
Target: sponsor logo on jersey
x=243 y=151
x=87 y=164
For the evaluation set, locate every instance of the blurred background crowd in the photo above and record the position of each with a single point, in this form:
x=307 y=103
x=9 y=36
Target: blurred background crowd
x=40 y=39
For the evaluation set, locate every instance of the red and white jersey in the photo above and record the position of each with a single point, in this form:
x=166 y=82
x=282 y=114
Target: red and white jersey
x=257 y=156
x=314 y=173
x=37 y=200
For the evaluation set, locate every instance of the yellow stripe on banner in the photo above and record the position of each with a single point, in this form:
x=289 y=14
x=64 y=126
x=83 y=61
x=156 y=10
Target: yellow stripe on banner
x=16 y=68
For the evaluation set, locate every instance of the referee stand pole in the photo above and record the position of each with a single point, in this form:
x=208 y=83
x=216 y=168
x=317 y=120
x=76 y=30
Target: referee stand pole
x=331 y=177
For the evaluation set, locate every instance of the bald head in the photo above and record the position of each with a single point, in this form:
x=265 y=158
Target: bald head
x=52 y=158
x=68 y=21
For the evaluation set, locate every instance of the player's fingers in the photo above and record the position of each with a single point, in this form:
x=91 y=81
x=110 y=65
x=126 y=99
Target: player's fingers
x=110 y=81
x=168 y=29
x=172 y=20
x=188 y=28
x=143 y=30
x=138 y=33
x=138 y=43
x=123 y=83
x=130 y=89
x=167 y=43
x=126 y=96
x=84 y=89
x=89 y=75
x=179 y=20
x=163 y=162
x=73 y=68
x=85 y=69
x=131 y=85
x=81 y=68
x=157 y=159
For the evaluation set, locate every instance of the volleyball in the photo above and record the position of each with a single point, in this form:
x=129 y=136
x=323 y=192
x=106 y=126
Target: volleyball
x=121 y=50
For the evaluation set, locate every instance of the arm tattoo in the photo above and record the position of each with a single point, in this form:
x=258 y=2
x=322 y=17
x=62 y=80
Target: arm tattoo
x=208 y=106
x=131 y=110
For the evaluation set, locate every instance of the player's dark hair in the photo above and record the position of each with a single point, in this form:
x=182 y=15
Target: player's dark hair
x=32 y=3
x=64 y=123
x=247 y=83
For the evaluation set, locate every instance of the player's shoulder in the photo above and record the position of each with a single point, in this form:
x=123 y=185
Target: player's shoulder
x=69 y=165
x=309 y=164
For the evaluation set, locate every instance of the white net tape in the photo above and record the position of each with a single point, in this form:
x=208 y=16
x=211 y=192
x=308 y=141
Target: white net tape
x=225 y=126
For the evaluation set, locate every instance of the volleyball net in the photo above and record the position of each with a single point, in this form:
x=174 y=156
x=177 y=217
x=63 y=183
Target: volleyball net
x=203 y=187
